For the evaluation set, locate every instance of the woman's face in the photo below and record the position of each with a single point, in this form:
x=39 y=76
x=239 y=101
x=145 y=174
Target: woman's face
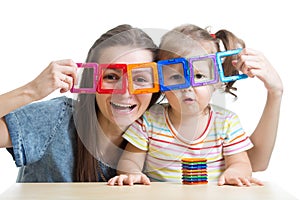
x=122 y=109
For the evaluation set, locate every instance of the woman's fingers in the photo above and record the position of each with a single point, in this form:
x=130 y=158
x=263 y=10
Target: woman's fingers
x=251 y=62
x=255 y=64
x=63 y=73
x=69 y=68
x=57 y=75
x=66 y=83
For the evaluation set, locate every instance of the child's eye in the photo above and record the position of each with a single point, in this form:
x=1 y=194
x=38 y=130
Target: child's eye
x=199 y=76
x=176 y=77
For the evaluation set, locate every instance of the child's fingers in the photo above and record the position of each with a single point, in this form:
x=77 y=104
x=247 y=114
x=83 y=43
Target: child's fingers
x=245 y=181
x=145 y=180
x=112 y=181
x=221 y=180
x=236 y=181
x=256 y=181
x=130 y=180
x=122 y=178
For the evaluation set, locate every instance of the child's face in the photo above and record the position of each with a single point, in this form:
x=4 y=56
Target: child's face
x=192 y=100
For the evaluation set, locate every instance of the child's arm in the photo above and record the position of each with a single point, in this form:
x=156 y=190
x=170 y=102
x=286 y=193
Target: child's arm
x=238 y=171
x=130 y=167
x=255 y=64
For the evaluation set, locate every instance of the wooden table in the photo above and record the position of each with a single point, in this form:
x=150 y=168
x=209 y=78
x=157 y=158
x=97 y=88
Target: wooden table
x=156 y=191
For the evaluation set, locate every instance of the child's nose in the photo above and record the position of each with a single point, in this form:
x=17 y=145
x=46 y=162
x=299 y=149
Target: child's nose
x=189 y=89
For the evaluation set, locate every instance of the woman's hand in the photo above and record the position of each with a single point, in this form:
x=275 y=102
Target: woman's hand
x=255 y=64
x=58 y=75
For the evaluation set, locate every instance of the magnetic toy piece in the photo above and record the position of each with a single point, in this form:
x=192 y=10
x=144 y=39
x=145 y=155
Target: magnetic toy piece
x=219 y=56
x=173 y=74
x=194 y=171
x=112 y=78
x=85 y=89
x=142 y=78
x=206 y=69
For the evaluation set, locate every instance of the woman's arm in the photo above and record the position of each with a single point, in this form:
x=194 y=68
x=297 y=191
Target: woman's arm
x=59 y=74
x=9 y=102
x=255 y=64
x=130 y=167
x=264 y=136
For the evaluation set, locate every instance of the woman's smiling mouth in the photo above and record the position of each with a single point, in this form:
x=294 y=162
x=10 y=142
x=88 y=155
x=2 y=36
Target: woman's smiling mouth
x=122 y=107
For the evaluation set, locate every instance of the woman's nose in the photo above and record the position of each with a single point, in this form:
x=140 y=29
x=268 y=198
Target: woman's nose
x=124 y=84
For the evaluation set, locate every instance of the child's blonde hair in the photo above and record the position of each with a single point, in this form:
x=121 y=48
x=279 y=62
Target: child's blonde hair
x=180 y=41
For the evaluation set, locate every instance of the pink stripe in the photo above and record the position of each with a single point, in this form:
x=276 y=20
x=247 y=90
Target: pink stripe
x=181 y=145
x=184 y=150
x=137 y=130
x=237 y=149
x=221 y=116
x=159 y=163
x=176 y=149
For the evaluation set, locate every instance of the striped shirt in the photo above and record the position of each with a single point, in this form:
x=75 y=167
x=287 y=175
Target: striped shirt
x=165 y=147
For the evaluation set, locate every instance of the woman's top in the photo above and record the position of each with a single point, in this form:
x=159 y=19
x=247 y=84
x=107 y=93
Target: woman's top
x=44 y=142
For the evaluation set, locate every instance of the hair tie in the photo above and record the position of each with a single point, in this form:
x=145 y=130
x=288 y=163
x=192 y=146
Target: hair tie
x=213 y=35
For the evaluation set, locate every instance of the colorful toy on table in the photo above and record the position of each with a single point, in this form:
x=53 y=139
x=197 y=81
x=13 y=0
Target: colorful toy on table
x=194 y=171
x=165 y=75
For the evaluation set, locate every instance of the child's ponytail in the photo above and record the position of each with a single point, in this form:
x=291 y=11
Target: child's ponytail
x=230 y=41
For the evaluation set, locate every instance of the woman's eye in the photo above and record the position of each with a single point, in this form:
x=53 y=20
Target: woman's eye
x=111 y=77
x=143 y=82
x=140 y=80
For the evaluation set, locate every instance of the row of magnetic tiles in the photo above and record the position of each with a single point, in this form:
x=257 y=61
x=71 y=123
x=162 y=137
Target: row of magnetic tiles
x=158 y=83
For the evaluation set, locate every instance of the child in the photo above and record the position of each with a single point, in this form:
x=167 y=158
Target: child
x=188 y=125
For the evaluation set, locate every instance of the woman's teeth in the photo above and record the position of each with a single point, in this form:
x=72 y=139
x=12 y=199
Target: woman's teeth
x=122 y=106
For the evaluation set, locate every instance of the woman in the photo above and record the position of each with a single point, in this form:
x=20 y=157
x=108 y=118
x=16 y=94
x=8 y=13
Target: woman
x=46 y=143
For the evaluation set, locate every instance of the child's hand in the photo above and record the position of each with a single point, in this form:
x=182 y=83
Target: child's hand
x=235 y=177
x=129 y=179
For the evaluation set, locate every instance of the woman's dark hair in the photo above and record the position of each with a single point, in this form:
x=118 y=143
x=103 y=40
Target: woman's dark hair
x=86 y=109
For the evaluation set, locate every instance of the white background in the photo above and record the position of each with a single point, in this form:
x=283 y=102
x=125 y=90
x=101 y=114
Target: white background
x=33 y=33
